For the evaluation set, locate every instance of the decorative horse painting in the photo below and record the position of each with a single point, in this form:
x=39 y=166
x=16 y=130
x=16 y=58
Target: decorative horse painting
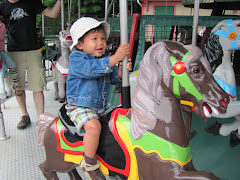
x=5 y=90
x=149 y=140
x=60 y=68
x=223 y=40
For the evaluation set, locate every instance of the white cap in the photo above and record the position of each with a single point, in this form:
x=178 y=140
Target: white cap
x=83 y=25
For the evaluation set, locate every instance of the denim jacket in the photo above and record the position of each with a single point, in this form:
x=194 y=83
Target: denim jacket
x=89 y=79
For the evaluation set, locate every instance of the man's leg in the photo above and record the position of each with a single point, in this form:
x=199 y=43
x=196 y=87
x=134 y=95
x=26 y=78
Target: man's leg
x=22 y=103
x=25 y=120
x=39 y=102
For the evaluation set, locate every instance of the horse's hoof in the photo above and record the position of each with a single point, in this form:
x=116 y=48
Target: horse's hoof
x=214 y=128
x=234 y=138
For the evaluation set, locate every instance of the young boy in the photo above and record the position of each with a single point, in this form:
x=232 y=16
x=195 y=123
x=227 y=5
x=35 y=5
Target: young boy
x=90 y=74
x=11 y=65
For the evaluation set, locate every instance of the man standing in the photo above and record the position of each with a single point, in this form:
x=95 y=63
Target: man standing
x=20 y=19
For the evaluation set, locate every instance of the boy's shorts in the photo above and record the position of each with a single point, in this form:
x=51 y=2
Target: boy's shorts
x=81 y=115
x=30 y=62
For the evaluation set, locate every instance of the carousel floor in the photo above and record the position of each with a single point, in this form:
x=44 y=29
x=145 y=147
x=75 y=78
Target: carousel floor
x=20 y=156
x=213 y=153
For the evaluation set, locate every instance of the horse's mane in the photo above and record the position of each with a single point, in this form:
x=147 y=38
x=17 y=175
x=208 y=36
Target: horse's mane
x=213 y=51
x=153 y=79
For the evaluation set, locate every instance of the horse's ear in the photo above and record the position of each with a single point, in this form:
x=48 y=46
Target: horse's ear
x=219 y=25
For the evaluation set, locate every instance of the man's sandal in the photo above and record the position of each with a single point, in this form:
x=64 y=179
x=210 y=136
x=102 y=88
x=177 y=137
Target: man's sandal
x=17 y=89
x=92 y=171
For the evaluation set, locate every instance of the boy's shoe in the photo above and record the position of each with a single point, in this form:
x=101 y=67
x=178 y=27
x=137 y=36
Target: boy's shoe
x=92 y=171
x=25 y=121
x=17 y=89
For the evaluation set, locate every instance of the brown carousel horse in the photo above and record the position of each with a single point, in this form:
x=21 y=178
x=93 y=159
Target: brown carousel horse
x=149 y=140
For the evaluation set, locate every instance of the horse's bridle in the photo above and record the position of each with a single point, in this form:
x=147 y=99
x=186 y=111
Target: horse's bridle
x=231 y=35
x=181 y=77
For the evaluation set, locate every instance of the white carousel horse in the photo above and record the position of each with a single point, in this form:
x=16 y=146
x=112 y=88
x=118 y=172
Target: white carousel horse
x=60 y=69
x=226 y=35
x=5 y=90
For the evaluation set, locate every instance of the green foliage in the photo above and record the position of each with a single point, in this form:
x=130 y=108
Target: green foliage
x=89 y=8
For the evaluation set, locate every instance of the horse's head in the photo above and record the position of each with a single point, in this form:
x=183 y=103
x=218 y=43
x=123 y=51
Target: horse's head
x=229 y=34
x=196 y=84
x=170 y=72
x=65 y=38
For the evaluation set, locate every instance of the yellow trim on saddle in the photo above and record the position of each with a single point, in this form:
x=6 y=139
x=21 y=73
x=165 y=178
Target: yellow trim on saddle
x=122 y=130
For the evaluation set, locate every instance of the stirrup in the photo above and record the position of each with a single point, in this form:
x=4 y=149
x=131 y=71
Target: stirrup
x=94 y=169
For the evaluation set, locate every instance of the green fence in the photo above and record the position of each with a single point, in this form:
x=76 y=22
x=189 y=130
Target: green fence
x=154 y=23
x=159 y=28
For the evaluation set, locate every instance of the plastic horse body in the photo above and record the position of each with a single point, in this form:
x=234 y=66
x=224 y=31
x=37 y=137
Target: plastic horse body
x=149 y=140
x=5 y=90
x=225 y=38
x=60 y=70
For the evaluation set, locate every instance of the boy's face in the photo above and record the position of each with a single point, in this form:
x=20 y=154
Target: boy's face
x=94 y=43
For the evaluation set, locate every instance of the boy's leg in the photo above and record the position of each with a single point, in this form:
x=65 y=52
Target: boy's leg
x=89 y=164
x=11 y=65
x=91 y=137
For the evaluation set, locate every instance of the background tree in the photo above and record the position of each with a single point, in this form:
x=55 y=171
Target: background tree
x=90 y=8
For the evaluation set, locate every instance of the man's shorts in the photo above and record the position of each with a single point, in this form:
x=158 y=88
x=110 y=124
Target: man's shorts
x=30 y=62
x=81 y=115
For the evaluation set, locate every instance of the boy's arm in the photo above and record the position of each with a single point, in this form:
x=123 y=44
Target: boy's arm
x=53 y=13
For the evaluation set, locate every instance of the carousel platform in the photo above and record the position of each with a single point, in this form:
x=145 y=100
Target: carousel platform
x=20 y=156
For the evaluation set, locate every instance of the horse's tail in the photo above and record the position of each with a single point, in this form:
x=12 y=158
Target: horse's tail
x=41 y=125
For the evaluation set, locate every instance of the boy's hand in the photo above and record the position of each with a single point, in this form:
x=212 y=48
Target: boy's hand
x=129 y=65
x=122 y=51
x=120 y=54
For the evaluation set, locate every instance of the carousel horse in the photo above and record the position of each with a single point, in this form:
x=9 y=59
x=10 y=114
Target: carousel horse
x=60 y=67
x=148 y=140
x=223 y=40
x=5 y=90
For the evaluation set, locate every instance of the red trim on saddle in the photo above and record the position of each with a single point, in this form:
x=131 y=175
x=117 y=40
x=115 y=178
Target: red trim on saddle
x=120 y=112
x=117 y=112
x=64 y=139
x=75 y=144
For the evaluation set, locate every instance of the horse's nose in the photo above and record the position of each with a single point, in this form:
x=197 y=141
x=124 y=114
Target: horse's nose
x=224 y=102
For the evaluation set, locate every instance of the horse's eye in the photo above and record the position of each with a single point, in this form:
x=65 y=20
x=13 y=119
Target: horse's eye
x=238 y=25
x=195 y=70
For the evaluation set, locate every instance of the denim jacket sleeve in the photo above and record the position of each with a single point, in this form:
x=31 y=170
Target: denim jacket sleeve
x=87 y=66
